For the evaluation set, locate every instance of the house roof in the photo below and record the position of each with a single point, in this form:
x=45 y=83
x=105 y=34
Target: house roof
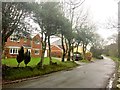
x=55 y=40
x=56 y=46
x=26 y=46
x=34 y=35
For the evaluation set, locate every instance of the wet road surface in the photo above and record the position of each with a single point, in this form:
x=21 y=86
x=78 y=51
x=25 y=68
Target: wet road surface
x=92 y=75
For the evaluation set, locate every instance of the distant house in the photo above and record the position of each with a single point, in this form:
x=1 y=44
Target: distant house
x=56 y=51
x=56 y=47
x=80 y=49
x=13 y=44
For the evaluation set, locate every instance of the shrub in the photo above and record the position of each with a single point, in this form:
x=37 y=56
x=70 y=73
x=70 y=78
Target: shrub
x=88 y=56
x=97 y=52
x=20 y=56
x=27 y=57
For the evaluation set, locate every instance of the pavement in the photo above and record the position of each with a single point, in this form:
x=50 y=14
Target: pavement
x=91 y=75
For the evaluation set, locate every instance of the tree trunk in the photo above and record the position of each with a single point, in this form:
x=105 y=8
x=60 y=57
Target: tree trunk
x=119 y=45
x=42 y=59
x=66 y=44
x=84 y=51
x=43 y=51
x=69 y=50
x=18 y=65
x=49 y=50
x=119 y=30
x=72 y=48
x=77 y=48
x=63 y=54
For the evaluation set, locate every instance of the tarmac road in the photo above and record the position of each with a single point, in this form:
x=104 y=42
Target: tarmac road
x=92 y=75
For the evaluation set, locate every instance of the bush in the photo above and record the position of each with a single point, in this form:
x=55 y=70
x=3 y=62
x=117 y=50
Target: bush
x=20 y=56
x=88 y=56
x=13 y=73
x=97 y=52
x=27 y=57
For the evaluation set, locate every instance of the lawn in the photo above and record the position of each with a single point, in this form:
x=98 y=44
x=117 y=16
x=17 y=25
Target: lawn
x=12 y=62
x=11 y=72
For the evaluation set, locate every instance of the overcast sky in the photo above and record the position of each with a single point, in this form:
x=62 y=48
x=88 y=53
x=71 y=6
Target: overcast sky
x=102 y=13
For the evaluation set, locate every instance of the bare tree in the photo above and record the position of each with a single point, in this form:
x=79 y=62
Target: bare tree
x=70 y=12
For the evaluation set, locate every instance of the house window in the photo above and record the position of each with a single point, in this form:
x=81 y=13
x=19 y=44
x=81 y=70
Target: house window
x=25 y=39
x=36 y=52
x=37 y=42
x=13 y=50
x=14 y=39
x=29 y=50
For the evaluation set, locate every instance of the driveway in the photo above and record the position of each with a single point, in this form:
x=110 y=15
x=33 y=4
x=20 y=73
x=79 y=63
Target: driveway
x=92 y=75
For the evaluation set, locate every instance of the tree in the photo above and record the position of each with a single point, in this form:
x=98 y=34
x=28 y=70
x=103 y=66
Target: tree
x=86 y=35
x=70 y=13
x=96 y=52
x=27 y=57
x=47 y=16
x=112 y=48
x=51 y=21
x=20 y=56
x=64 y=28
x=13 y=14
x=113 y=38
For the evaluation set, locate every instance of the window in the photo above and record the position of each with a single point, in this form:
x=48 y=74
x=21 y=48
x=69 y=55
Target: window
x=25 y=39
x=29 y=50
x=37 y=42
x=13 y=50
x=14 y=39
x=36 y=52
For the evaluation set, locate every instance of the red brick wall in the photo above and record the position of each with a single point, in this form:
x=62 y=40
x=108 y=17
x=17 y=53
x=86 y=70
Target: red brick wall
x=36 y=46
x=22 y=42
x=56 y=51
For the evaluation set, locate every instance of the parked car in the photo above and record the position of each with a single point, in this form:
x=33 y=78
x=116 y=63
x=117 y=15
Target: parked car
x=100 y=57
x=77 y=56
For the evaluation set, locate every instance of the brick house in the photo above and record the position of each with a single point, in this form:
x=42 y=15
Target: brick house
x=56 y=51
x=13 y=45
x=56 y=47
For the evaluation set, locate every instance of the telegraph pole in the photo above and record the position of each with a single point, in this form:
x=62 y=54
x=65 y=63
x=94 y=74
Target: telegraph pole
x=119 y=30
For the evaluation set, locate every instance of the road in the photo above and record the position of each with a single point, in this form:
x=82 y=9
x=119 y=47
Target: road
x=92 y=75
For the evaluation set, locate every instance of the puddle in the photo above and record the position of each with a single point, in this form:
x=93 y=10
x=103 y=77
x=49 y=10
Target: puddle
x=110 y=84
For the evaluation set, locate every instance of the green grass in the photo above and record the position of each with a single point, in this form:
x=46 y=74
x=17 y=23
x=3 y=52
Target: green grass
x=12 y=62
x=11 y=72
x=115 y=59
x=84 y=61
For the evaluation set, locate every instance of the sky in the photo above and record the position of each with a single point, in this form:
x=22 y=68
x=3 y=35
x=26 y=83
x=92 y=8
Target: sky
x=103 y=13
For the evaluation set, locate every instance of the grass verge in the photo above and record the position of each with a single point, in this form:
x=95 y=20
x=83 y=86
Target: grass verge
x=85 y=61
x=12 y=62
x=14 y=73
x=117 y=61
